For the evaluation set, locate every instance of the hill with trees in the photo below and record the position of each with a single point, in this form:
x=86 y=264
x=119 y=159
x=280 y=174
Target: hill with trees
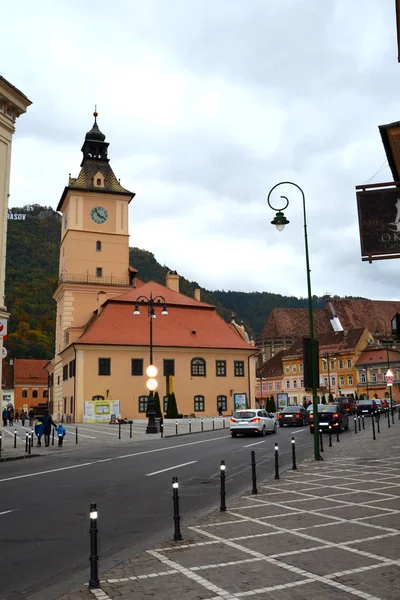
x=31 y=279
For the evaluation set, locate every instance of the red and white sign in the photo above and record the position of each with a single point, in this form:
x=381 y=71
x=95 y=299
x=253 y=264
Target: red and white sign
x=389 y=379
x=3 y=327
x=3 y=352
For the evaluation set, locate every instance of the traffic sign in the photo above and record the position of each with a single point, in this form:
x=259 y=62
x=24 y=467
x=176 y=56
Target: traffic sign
x=3 y=352
x=3 y=327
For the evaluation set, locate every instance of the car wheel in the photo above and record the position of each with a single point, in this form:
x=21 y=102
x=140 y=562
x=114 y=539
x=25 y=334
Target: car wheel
x=263 y=431
x=304 y=423
x=311 y=430
x=233 y=434
x=274 y=429
x=280 y=424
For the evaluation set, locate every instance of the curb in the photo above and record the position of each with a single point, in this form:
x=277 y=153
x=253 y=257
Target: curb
x=8 y=458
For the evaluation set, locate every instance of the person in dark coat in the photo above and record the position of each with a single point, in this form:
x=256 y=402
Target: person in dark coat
x=10 y=415
x=47 y=423
x=16 y=416
x=5 y=417
x=23 y=418
x=31 y=417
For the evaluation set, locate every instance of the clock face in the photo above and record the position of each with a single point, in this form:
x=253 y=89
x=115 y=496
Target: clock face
x=99 y=215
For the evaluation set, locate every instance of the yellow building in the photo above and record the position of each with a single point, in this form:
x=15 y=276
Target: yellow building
x=13 y=103
x=102 y=348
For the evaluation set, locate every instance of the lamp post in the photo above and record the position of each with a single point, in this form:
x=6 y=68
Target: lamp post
x=366 y=379
x=327 y=358
x=389 y=373
x=151 y=370
x=280 y=221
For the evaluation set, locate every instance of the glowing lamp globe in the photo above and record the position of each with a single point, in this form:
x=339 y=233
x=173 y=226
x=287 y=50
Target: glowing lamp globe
x=151 y=371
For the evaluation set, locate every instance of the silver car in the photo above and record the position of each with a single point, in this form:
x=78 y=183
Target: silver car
x=252 y=421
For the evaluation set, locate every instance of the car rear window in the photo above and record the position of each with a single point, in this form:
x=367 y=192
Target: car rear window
x=331 y=408
x=245 y=415
x=365 y=402
x=291 y=409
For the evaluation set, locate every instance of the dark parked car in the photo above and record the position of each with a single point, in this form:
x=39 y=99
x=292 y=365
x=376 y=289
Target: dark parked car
x=347 y=403
x=330 y=414
x=366 y=407
x=293 y=415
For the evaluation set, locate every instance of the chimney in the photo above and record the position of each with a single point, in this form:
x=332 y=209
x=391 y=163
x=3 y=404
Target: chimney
x=197 y=294
x=172 y=281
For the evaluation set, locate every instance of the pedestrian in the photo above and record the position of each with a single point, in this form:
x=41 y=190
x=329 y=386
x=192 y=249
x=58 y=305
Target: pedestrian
x=23 y=417
x=60 y=429
x=10 y=416
x=31 y=417
x=16 y=416
x=39 y=430
x=47 y=423
x=5 y=416
x=220 y=411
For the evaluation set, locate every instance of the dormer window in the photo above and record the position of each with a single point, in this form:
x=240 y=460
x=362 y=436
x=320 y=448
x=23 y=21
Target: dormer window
x=98 y=246
x=98 y=180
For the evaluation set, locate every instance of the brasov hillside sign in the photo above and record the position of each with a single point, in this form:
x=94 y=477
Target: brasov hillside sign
x=379 y=221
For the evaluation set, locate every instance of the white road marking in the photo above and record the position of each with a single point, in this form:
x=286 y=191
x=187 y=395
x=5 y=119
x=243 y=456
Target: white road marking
x=112 y=458
x=255 y=444
x=170 y=468
x=98 y=431
x=80 y=434
x=299 y=431
x=5 y=512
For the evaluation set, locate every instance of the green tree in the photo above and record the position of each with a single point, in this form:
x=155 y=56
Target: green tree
x=272 y=404
x=157 y=406
x=172 y=409
x=356 y=396
x=330 y=398
x=323 y=399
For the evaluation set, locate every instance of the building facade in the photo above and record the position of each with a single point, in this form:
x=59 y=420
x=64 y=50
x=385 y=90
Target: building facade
x=102 y=347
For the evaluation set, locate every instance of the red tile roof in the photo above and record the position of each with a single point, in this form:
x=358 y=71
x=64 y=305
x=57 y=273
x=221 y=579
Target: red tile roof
x=30 y=371
x=189 y=323
x=273 y=367
x=292 y=323
x=377 y=354
x=363 y=313
x=334 y=341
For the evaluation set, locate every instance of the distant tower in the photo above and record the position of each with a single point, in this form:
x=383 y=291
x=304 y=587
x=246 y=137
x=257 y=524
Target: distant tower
x=13 y=103
x=94 y=250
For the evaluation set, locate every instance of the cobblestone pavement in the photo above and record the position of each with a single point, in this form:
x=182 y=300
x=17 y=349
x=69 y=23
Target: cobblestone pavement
x=92 y=435
x=329 y=530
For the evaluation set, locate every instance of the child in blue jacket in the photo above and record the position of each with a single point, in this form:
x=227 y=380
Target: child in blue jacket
x=60 y=433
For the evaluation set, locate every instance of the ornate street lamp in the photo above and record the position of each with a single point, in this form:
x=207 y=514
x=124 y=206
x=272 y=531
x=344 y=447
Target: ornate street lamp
x=389 y=373
x=366 y=380
x=280 y=221
x=327 y=357
x=151 y=370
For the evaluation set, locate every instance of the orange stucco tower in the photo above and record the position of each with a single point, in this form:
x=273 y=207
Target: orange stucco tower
x=94 y=247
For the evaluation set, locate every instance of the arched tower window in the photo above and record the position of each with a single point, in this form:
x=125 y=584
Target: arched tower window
x=98 y=246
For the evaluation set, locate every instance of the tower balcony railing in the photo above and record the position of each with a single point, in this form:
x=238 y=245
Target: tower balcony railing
x=93 y=280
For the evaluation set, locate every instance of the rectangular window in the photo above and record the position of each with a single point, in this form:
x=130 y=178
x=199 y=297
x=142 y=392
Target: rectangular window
x=169 y=367
x=294 y=369
x=71 y=405
x=222 y=401
x=341 y=380
x=350 y=380
x=269 y=385
x=238 y=368
x=374 y=378
x=300 y=367
x=301 y=382
x=324 y=364
x=137 y=366
x=287 y=384
x=220 y=368
x=65 y=406
x=104 y=366
x=363 y=378
x=72 y=368
x=199 y=404
x=24 y=393
x=332 y=364
x=341 y=364
x=333 y=380
x=65 y=372
x=278 y=385
x=295 y=383
x=287 y=368
x=349 y=363
x=325 y=381
x=142 y=404
x=34 y=394
x=45 y=393
x=99 y=272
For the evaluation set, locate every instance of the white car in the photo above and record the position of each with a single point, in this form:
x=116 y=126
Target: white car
x=253 y=421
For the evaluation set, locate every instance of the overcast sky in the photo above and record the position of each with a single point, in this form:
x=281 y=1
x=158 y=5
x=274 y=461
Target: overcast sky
x=207 y=104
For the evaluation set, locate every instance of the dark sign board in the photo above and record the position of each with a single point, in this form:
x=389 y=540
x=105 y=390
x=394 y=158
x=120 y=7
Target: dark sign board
x=307 y=364
x=379 y=222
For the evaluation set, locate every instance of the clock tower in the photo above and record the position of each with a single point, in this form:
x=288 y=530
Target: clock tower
x=94 y=248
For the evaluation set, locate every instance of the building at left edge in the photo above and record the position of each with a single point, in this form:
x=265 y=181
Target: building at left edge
x=102 y=348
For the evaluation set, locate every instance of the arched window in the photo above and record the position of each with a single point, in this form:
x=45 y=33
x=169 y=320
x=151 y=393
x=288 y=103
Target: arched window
x=94 y=398
x=98 y=246
x=198 y=367
x=222 y=401
x=199 y=404
x=142 y=404
x=98 y=181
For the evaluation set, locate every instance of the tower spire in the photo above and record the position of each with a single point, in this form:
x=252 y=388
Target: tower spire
x=95 y=147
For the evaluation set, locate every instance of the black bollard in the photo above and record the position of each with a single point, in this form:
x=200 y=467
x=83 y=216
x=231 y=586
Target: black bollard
x=52 y=437
x=29 y=444
x=15 y=438
x=177 y=517
x=0 y=443
x=253 y=473
x=330 y=436
x=119 y=431
x=355 y=424
x=294 y=465
x=26 y=441
x=378 y=423
x=130 y=430
x=388 y=418
x=337 y=435
x=176 y=427
x=222 y=468
x=398 y=411
x=190 y=425
x=76 y=435
x=363 y=422
x=202 y=424
x=94 y=557
x=162 y=427
x=321 y=441
x=276 y=461
x=373 y=427
x=214 y=422
x=392 y=411
x=32 y=437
